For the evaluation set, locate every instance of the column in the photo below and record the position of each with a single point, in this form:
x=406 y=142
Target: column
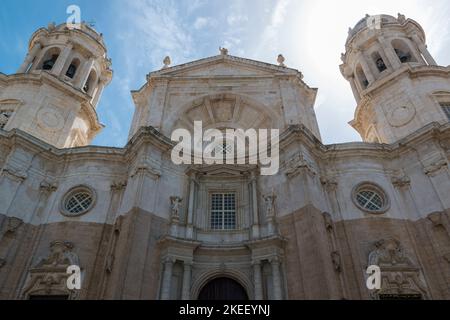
x=190 y=220
x=276 y=278
x=390 y=53
x=255 y=227
x=257 y=280
x=29 y=58
x=99 y=92
x=62 y=59
x=367 y=71
x=424 y=50
x=187 y=273
x=83 y=74
x=167 y=280
x=354 y=89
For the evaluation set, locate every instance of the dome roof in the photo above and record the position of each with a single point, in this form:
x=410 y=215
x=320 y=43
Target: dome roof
x=364 y=22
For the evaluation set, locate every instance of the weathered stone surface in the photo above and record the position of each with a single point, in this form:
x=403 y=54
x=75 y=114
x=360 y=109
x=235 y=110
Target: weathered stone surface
x=146 y=233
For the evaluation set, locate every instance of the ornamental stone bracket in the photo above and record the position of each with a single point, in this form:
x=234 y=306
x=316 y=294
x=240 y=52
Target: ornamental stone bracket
x=336 y=260
x=329 y=184
x=400 y=180
x=399 y=275
x=18 y=175
x=328 y=221
x=297 y=164
x=118 y=186
x=145 y=167
x=48 y=186
x=12 y=225
x=436 y=219
x=49 y=275
x=435 y=168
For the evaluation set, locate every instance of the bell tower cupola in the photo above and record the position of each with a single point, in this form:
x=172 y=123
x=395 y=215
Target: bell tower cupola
x=55 y=92
x=396 y=82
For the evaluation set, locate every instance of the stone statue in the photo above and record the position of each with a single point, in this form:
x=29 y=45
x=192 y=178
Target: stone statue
x=281 y=60
x=270 y=204
x=223 y=51
x=175 y=204
x=166 y=62
x=51 y=26
x=401 y=18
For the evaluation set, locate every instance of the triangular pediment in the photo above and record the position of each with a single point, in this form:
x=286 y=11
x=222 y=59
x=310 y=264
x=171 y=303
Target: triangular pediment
x=222 y=170
x=225 y=65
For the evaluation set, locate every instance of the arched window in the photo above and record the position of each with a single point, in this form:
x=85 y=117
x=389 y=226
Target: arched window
x=89 y=86
x=361 y=76
x=403 y=51
x=72 y=69
x=379 y=62
x=49 y=59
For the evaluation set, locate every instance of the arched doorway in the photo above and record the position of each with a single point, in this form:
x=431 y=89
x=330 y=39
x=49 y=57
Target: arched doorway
x=223 y=289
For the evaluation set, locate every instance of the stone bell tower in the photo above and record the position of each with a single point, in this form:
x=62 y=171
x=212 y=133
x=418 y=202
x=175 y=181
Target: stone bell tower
x=54 y=94
x=396 y=82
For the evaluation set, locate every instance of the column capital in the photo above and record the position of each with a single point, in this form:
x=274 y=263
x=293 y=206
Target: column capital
x=275 y=260
x=169 y=260
x=188 y=263
x=256 y=262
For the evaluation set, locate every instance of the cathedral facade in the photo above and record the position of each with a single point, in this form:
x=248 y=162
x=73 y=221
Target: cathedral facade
x=140 y=226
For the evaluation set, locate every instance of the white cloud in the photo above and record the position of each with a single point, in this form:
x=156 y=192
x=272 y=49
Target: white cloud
x=202 y=22
x=311 y=35
x=236 y=20
x=268 y=38
x=155 y=29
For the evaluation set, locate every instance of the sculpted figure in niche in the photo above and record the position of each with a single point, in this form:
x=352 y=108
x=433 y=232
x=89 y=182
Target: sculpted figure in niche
x=176 y=204
x=270 y=204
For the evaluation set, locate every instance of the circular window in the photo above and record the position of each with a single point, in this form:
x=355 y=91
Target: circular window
x=78 y=201
x=370 y=198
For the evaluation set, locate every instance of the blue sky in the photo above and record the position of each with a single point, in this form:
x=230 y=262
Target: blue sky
x=140 y=33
